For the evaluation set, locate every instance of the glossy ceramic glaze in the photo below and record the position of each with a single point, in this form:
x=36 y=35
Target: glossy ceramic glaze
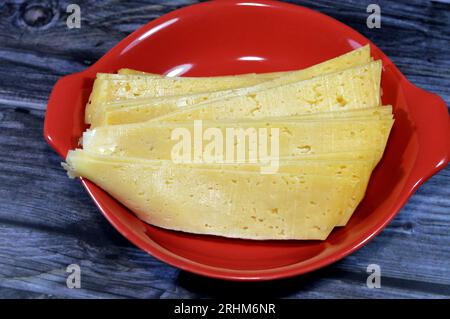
x=231 y=37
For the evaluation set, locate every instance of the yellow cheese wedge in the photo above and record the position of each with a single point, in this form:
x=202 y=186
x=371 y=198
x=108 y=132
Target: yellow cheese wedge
x=333 y=139
x=95 y=109
x=126 y=71
x=354 y=58
x=101 y=91
x=362 y=55
x=195 y=153
x=118 y=87
x=356 y=169
x=295 y=138
x=141 y=114
x=221 y=202
x=354 y=88
x=267 y=76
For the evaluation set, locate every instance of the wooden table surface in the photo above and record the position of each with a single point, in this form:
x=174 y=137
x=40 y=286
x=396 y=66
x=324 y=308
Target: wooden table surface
x=48 y=221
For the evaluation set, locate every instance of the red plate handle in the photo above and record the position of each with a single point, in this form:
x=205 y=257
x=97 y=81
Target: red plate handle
x=432 y=122
x=65 y=110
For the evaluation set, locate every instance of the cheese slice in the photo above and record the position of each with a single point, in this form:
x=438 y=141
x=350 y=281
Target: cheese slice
x=265 y=76
x=222 y=202
x=354 y=88
x=165 y=105
x=360 y=55
x=296 y=138
x=120 y=77
x=355 y=169
x=332 y=140
x=138 y=114
x=117 y=87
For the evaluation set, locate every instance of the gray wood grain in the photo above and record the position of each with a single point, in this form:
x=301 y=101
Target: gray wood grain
x=48 y=221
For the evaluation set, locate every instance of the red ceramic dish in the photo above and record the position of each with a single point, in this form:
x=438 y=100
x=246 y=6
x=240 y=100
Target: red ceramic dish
x=232 y=37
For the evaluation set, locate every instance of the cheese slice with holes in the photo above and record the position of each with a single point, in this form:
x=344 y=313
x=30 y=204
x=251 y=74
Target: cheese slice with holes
x=358 y=170
x=222 y=202
x=295 y=138
x=99 y=100
x=332 y=140
x=354 y=88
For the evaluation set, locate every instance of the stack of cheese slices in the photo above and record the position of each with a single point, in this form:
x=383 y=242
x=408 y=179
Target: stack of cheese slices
x=332 y=133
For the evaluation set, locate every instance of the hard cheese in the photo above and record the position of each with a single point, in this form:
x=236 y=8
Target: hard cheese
x=353 y=88
x=222 y=202
x=148 y=108
x=126 y=71
x=295 y=138
x=351 y=59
